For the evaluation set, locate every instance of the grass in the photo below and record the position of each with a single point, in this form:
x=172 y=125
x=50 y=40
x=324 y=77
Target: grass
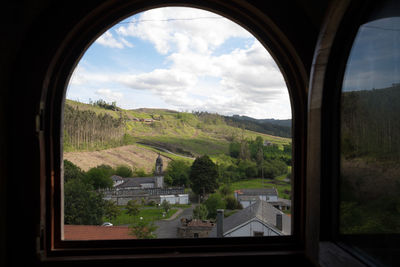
x=152 y=214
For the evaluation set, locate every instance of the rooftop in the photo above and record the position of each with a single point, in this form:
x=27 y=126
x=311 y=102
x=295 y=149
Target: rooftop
x=260 y=210
x=136 y=182
x=95 y=232
x=258 y=191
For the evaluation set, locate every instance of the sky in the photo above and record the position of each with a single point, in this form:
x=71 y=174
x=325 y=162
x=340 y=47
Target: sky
x=183 y=59
x=374 y=61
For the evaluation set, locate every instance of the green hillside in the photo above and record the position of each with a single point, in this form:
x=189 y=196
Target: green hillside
x=89 y=127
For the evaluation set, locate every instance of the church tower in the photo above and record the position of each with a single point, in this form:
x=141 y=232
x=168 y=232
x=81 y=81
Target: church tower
x=159 y=165
x=159 y=172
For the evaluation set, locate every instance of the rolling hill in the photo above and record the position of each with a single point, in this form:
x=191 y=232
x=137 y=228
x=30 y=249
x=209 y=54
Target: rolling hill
x=96 y=134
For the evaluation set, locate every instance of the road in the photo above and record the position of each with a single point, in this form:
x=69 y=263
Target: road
x=167 y=151
x=168 y=228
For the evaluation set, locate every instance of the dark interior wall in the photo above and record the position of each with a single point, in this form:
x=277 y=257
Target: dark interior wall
x=31 y=32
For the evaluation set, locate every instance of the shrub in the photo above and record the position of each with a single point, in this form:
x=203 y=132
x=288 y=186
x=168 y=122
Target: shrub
x=124 y=171
x=213 y=203
x=232 y=203
x=200 y=212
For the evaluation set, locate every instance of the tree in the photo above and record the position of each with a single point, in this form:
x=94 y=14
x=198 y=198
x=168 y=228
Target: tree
x=71 y=171
x=83 y=205
x=143 y=229
x=203 y=176
x=111 y=210
x=234 y=149
x=133 y=208
x=200 y=212
x=225 y=190
x=232 y=203
x=166 y=206
x=123 y=171
x=99 y=177
x=178 y=173
x=214 y=202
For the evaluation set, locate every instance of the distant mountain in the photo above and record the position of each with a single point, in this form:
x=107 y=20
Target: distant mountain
x=269 y=126
x=286 y=123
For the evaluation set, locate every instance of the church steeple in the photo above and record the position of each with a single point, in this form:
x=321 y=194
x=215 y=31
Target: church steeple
x=159 y=165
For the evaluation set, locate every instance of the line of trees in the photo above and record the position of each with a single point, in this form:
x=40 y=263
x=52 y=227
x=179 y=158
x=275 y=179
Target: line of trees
x=371 y=123
x=84 y=129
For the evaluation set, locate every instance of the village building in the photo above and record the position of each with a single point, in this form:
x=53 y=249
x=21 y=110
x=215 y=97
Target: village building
x=194 y=228
x=149 y=189
x=156 y=181
x=175 y=199
x=96 y=232
x=258 y=219
x=247 y=197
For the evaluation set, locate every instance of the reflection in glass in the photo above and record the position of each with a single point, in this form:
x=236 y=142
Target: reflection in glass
x=370 y=136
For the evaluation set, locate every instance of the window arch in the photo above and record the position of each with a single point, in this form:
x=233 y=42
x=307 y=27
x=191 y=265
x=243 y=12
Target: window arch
x=87 y=29
x=329 y=111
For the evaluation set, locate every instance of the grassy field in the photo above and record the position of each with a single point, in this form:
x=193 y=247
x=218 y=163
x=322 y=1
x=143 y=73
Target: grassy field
x=152 y=214
x=283 y=188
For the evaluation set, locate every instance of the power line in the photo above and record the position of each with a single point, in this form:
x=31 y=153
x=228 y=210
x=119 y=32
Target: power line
x=382 y=28
x=168 y=20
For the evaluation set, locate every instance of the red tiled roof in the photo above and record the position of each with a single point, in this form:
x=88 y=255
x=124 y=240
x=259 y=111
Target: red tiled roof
x=94 y=232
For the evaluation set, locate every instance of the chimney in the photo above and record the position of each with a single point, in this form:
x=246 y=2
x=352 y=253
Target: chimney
x=220 y=222
x=279 y=221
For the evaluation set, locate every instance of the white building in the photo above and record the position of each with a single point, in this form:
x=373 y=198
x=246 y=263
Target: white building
x=247 y=197
x=156 y=181
x=259 y=219
x=175 y=199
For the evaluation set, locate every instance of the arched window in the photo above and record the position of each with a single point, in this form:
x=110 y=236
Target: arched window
x=370 y=137
x=76 y=43
x=354 y=101
x=189 y=84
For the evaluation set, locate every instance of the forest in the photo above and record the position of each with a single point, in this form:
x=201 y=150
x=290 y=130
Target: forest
x=370 y=147
x=371 y=123
x=273 y=127
x=84 y=129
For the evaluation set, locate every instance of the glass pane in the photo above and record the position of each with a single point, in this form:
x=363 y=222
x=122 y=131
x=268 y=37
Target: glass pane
x=371 y=131
x=370 y=139
x=168 y=132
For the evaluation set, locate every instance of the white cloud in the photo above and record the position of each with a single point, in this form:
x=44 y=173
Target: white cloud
x=160 y=80
x=244 y=81
x=109 y=95
x=182 y=29
x=107 y=39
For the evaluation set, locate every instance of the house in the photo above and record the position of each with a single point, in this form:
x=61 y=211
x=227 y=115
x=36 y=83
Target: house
x=247 y=197
x=267 y=143
x=117 y=180
x=194 y=228
x=149 y=189
x=258 y=219
x=156 y=181
x=95 y=232
x=141 y=183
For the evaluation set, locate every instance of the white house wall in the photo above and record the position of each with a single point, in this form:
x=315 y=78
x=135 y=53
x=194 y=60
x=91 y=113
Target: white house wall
x=175 y=199
x=272 y=199
x=147 y=185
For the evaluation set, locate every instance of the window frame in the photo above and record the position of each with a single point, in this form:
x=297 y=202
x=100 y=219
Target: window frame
x=81 y=35
x=329 y=65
